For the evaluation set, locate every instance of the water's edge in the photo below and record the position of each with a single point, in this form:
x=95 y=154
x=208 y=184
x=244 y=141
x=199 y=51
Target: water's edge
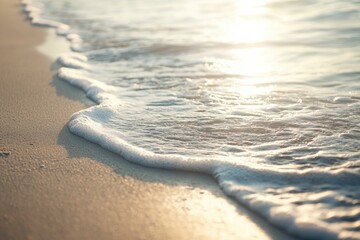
x=83 y=124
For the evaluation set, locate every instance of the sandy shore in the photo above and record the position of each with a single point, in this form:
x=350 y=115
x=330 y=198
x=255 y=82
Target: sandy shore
x=55 y=185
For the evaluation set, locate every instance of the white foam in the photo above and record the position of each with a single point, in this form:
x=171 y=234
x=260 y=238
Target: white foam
x=62 y=29
x=73 y=60
x=251 y=187
x=84 y=125
x=95 y=90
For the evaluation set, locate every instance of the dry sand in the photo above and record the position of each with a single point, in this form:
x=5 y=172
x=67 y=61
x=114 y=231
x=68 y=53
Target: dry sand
x=55 y=185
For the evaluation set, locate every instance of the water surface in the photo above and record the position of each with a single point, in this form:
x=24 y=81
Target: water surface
x=264 y=95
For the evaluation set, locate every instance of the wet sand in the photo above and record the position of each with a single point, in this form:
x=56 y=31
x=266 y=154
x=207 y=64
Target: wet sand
x=55 y=185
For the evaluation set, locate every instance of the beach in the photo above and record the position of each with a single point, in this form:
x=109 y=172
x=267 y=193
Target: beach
x=55 y=185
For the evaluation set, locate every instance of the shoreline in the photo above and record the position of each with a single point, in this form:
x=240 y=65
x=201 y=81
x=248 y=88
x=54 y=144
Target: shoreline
x=55 y=185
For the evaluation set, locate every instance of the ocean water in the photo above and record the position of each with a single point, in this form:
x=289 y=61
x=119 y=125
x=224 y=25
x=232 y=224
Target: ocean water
x=264 y=95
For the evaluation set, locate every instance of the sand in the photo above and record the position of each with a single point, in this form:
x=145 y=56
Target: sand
x=55 y=185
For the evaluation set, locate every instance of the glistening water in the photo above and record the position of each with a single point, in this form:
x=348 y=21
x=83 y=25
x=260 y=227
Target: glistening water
x=264 y=95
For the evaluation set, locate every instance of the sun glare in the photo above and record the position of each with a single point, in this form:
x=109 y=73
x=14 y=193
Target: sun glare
x=249 y=31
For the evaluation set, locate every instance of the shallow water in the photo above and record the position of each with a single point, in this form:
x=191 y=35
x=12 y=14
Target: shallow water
x=263 y=95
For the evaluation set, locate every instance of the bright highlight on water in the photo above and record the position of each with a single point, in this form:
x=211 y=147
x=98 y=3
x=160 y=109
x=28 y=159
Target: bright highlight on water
x=264 y=95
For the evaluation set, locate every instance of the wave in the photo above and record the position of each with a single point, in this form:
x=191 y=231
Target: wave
x=306 y=203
